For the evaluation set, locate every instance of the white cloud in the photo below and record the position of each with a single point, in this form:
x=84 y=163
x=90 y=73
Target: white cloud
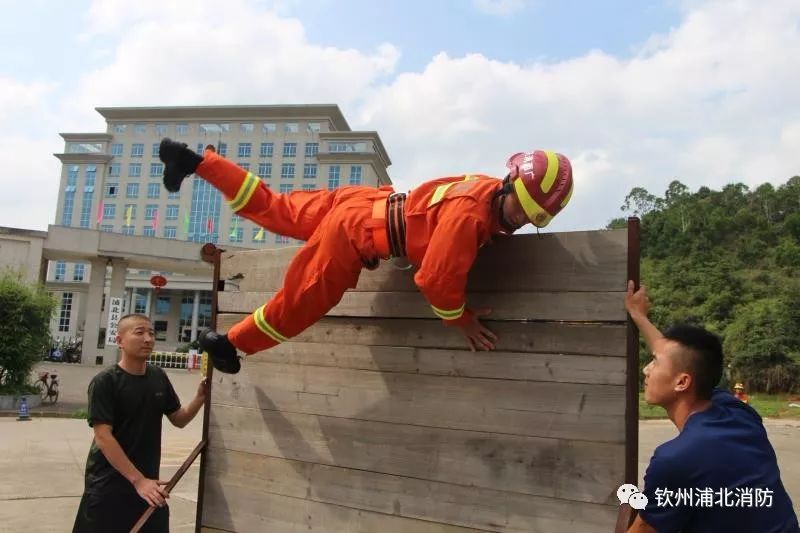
x=499 y=7
x=711 y=101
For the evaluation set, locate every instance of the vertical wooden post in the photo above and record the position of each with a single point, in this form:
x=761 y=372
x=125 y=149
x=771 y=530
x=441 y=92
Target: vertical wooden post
x=632 y=369
x=210 y=254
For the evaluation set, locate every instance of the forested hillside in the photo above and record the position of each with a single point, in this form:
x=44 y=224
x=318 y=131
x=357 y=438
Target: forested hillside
x=728 y=260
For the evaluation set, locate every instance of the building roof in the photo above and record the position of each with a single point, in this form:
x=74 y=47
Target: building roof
x=230 y=112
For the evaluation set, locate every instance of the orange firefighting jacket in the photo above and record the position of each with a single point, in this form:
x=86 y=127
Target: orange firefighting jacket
x=447 y=221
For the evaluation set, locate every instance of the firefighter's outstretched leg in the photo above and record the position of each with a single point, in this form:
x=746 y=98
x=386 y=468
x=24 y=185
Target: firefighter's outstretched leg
x=295 y=214
x=320 y=273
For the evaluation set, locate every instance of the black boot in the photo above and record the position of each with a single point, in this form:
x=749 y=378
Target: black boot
x=179 y=162
x=222 y=352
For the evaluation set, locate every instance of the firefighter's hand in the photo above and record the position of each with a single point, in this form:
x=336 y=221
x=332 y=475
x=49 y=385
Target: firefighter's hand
x=479 y=336
x=152 y=491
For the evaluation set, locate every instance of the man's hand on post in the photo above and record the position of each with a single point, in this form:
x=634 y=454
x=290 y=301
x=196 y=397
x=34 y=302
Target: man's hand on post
x=152 y=491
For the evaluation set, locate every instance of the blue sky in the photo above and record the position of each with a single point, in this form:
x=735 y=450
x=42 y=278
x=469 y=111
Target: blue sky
x=634 y=93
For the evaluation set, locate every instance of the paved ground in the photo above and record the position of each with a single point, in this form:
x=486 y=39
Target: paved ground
x=42 y=461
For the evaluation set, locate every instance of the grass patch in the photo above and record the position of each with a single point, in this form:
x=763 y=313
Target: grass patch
x=767 y=405
x=81 y=413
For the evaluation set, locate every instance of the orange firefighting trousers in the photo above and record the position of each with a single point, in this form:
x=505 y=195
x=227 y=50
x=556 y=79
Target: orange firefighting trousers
x=337 y=227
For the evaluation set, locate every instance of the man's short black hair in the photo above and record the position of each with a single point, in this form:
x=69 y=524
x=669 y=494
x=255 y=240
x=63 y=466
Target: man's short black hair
x=704 y=361
x=131 y=316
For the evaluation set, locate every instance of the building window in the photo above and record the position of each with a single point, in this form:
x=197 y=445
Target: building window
x=269 y=127
x=313 y=127
x=246 y=128
x=134 y=170
x=111 y=190
x=341 y=147
x=205 y=209
x=163 y=302
x=66 y=311
x=149 y=231
x=113 y=170
x=132 y=191
x=355 y=175
x=139 y=301
x=86 y=207
x=170 y=232
x=107 y=228
x=69 y=205
x=281 y=239
x=287 y=171
x=109 y=211
x=137 y=150
x=79 y=272
x=139 y=129
x=72 y=176
x=291 y=127
x=162 y=130
x=308 y=187
x=245 y=149
x=181 y=129
x=150 y=211
x=128 y=230
x=312 y=149
x=61 y=270
x=130 y=211
x=91 y=175
x=174 y=195
x=156 y=170
x=266 y=150
x=236 y=235
x=259 y=235
x=200 y=149
x=333 y=177
x=223 y=149
x=153 y=190
x=120 y=128
x=265 y=170
x=155 y=149
x=310 y=171
x=116 y=149
x=286 y=188
x=244 y=166
x=289 y=149
x=172 y=212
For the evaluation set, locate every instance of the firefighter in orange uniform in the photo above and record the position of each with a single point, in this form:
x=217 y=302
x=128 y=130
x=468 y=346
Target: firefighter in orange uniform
x=438 y=227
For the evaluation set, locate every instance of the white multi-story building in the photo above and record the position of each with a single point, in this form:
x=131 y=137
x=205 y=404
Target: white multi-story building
x=111 y=187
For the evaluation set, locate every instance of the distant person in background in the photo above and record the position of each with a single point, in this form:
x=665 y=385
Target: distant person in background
x=738 y=391
x=722 y=445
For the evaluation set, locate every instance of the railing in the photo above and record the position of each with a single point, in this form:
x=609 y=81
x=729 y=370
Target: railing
x=186 y=361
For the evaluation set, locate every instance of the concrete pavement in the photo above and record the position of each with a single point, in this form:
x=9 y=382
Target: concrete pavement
x=42 y=461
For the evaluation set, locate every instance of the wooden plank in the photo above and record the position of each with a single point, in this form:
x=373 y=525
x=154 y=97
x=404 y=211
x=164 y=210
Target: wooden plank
x=471 y=507
x=573 y=261
x=236 y=508
x=539 y=409
x=576 y=470
x=572 y=306
x=515 y=366
x=539 y=337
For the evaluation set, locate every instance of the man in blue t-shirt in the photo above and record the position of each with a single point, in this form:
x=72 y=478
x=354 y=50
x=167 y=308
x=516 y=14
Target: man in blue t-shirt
x=720 y=474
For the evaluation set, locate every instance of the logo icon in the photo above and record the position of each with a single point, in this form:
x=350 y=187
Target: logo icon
x=631 y=495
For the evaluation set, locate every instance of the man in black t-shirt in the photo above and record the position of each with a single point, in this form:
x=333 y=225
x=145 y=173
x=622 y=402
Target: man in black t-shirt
x=126 y=405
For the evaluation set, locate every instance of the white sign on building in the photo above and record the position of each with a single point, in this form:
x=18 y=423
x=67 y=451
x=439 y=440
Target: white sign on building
x=114 y=314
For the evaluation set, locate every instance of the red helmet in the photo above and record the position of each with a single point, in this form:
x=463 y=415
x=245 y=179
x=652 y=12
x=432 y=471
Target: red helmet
x=542 y=182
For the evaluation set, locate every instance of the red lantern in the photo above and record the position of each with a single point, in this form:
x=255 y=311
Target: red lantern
x=158 y=281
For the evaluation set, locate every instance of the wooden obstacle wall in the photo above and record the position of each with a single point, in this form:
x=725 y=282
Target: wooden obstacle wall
x=379 y=419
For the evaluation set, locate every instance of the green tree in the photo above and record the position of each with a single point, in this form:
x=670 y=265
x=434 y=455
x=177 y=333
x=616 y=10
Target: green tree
x=24 y=327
